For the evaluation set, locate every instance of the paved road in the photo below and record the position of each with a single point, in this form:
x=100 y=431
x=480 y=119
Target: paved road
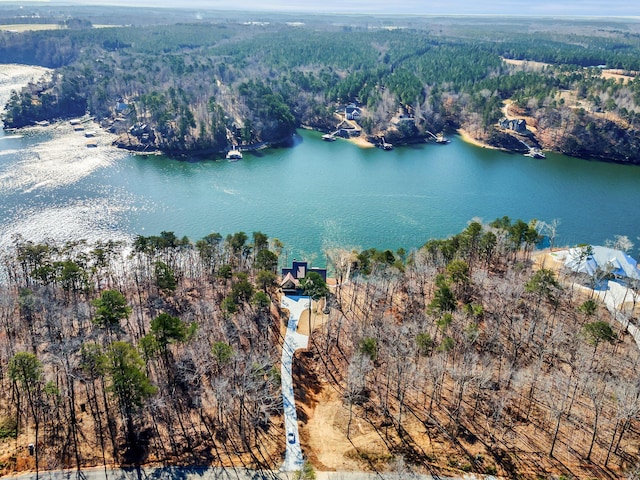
x=293 y=459
x=214 y=473
x=159 y=473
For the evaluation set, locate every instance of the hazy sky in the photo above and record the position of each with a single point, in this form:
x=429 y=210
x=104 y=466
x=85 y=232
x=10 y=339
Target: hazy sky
x=421 y=7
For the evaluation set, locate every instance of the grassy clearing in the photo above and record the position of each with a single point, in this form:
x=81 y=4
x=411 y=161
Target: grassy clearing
x=26 y=27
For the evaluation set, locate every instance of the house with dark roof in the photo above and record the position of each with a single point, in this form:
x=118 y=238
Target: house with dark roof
x=517 y=125
x=291 y=277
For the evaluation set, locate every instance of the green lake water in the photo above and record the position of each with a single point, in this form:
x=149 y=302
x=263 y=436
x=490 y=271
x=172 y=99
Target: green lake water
x=318 y=194
x=313 y=195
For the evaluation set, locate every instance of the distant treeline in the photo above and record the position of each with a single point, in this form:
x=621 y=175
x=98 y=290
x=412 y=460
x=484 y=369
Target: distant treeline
x=201 y=87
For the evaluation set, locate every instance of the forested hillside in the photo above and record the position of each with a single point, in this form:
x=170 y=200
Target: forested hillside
x=465 y=355
x=167 y=353
x=202 y=87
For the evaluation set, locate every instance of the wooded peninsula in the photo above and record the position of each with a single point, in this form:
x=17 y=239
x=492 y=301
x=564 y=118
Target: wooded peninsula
x=210 y=83
x=473 y=353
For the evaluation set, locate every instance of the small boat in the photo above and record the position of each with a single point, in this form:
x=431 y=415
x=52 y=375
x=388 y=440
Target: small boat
x=329 y=137
x=234 y=155
x=43 y=123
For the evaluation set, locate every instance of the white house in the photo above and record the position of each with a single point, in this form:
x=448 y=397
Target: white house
x=590 y=259
x=352 y=112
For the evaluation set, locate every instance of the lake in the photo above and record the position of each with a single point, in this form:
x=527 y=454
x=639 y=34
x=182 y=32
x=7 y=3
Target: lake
x=311 y=196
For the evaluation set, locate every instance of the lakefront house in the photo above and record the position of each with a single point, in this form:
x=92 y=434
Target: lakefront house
x=291 y=277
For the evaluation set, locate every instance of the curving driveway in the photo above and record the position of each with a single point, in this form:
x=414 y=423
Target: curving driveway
x=293 y=459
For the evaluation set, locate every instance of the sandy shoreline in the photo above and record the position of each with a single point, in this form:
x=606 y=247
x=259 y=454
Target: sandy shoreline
x=466 y=137
x=361 y=142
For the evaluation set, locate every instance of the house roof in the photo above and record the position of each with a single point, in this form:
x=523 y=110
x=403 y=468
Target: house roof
x=603 y=258
x=290 y=281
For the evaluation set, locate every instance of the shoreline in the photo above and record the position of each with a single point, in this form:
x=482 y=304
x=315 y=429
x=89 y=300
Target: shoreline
x=360 y=142
x=465 y=136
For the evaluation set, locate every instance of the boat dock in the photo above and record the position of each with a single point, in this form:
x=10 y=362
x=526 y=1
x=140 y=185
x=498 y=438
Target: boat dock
x=535 y=153
x=385 y=145
x=439 y=138
x=234 y=155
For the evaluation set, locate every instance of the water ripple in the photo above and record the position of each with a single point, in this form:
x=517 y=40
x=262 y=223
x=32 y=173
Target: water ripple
x=60 y=161
x=87 y=219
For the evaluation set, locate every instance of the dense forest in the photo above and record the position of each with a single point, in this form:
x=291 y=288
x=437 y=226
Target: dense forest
x=205 y=86
x=469 y=354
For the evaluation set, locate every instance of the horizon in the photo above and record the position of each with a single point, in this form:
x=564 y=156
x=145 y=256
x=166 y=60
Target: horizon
x=543 y=8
